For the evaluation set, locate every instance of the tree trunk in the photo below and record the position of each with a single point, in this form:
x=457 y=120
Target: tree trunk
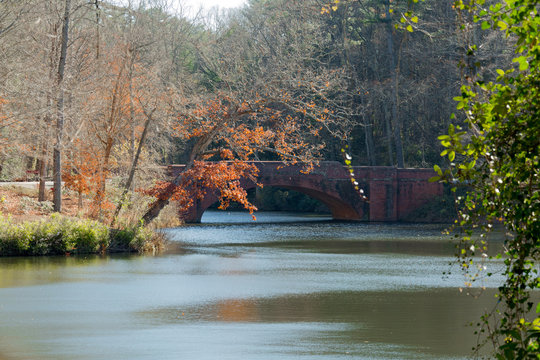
x=80 y=202
x=42 y=195
x=388 y=128
x=43 y=163
x=370 y=147
x=134 y=154
x=129 y=181
x=161 y=202
x=98 y=20
x=57 y=153
x=395 y=94
x=102 y=181
x=200 y=146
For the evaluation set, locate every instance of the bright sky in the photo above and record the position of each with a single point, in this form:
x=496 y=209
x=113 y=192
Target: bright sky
x=211 y=3
x=194 y=5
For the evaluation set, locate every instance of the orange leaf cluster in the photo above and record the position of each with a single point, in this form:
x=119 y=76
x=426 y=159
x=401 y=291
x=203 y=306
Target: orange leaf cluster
x=82 y=169
x=85 y=173
x=221 y=178
x=246 y=141
x=3 y=116
x=202 y=119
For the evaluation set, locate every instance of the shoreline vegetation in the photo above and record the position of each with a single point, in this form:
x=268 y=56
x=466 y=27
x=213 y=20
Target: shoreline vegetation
x=62 y=235
x=31 y=228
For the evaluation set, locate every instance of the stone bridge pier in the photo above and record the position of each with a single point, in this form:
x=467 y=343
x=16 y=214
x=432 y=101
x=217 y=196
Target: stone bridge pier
x=391 y=193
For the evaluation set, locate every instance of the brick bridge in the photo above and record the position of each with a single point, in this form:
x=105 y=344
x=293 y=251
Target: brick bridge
x=392 y=193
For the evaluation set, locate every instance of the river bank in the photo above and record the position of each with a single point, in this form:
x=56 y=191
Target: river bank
x=61 y=235
x=30 y=228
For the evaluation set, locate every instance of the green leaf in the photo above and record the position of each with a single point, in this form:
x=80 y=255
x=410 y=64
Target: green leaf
x=523 y=63
x=451 y=155
x=437 y=169
x=502 y=25
x=485 y=25
x=500 y=72
x=409 y=28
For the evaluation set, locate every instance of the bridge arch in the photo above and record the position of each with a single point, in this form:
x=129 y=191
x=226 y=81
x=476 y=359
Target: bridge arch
x=393 y=193
x=340 y=209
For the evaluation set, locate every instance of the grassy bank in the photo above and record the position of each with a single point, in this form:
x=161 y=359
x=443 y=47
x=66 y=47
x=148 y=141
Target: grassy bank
x=60 y=235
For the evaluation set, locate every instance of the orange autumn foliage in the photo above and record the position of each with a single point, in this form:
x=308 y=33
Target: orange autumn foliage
x=222 y=178
x=247 y=128
x=84 y=174
x=226 y=134
x=116 y=114
x=3 y=117
x=81 y=169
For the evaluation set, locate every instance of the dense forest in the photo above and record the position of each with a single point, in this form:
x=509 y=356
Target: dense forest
x=92 y=91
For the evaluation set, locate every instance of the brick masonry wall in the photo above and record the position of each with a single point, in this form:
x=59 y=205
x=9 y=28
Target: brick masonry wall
x=392 y=193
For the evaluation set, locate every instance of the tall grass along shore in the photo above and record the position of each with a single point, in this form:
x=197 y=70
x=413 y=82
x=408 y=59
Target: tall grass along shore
x=61 y=235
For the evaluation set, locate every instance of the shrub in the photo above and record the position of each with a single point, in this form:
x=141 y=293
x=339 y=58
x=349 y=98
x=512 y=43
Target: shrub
x=88 y=237
x=14 y=240
x=120 y=239
x=136 y=238
x=62 y=235
x=57 y=236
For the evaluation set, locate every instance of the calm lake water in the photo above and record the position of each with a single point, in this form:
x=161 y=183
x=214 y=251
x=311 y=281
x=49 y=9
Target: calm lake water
x=289 y=286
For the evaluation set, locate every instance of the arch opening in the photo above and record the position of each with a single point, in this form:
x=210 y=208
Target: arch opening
x=274 y=198
x=339 y=209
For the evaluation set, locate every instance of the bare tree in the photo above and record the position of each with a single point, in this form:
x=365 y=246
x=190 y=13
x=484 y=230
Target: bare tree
x=57 y=154
x=11 y=13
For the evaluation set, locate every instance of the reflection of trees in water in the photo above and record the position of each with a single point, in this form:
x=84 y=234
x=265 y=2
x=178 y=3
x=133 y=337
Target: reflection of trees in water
x=26 y=271
x=436 y=318
x=237 y=310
